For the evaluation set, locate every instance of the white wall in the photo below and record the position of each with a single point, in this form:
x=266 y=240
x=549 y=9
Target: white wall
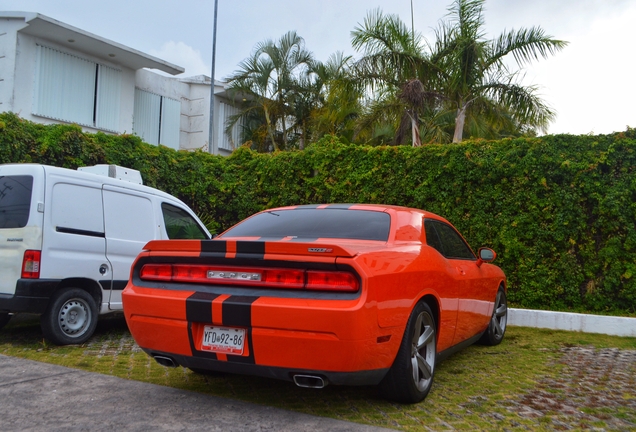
x=24 y=77
x=18 y=62
x=8 y=48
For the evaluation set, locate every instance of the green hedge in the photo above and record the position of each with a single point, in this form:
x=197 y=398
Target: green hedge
x=559 y=210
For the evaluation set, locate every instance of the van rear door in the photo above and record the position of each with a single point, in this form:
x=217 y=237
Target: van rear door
x=21 y=190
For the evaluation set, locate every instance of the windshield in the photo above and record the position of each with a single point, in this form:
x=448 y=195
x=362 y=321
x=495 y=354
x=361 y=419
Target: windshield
x=315 y=223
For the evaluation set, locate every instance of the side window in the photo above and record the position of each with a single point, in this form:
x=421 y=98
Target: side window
x=180 y=225
x=453 y=244
x=432 y=239
x=447 y=241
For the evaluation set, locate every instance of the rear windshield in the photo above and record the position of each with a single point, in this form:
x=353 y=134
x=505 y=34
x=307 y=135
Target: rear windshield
x=316 y=223
x=15 y=200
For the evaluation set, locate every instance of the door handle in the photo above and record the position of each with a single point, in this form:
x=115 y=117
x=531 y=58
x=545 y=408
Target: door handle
x=460 y=270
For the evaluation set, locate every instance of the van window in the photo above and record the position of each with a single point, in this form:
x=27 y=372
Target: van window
x=180 y=225
x=15 y=200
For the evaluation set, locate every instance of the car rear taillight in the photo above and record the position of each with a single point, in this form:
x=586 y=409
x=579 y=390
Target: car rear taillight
x=331 y=281
x=251 y=277
x=31 y=264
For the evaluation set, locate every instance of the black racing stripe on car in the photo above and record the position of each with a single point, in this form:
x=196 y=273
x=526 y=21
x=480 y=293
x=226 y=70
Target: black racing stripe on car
x=199 y=309
x=250 y=249
x=237 y=311
x=304 y=239
x=339 y=206
x=213 y=246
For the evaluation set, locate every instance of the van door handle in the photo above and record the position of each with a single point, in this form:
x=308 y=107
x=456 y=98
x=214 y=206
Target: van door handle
x=102 y=269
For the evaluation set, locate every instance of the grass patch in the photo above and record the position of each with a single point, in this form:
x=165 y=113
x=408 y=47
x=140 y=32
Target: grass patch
x=477 y=388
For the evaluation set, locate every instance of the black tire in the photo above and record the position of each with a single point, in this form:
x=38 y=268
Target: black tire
x=4 y=319
x=71 y=317
x=411 y=377
x=496 y=330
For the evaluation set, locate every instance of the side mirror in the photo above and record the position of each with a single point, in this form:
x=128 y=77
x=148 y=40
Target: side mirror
x=485 y=255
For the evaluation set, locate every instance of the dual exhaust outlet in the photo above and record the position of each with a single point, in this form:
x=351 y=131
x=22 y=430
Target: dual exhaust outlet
x=310 y=381
x=305 y=381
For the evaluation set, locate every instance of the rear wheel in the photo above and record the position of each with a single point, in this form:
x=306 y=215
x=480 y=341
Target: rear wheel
x=71 y=317
x=411 y=377
x=496 y=330
x=4 y=319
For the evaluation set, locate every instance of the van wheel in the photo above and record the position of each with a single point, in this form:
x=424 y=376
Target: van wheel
x=4 y=319
x=71 y=317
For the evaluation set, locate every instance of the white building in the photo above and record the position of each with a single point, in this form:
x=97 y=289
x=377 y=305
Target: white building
x=51 y=72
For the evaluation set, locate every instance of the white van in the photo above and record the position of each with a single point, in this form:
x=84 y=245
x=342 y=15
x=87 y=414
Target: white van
x=68 y=239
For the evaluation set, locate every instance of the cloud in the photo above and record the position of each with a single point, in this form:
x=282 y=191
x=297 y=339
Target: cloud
x=183 y=55
x=590 y=83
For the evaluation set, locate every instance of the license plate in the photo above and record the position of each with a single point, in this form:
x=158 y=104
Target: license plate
x=224 y=340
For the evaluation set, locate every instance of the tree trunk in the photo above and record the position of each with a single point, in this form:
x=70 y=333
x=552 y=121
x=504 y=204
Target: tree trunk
x=459 y=124
x=415 y=131
x=269 y=128
x=284 y=132
x=303 y=131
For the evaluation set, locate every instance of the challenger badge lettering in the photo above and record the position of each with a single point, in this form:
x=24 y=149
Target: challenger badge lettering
x=323 y=250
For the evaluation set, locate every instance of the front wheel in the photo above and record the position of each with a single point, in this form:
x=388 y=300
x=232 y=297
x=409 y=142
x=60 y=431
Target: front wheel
x=496 y=330
x=71 y=317
x=411 y=377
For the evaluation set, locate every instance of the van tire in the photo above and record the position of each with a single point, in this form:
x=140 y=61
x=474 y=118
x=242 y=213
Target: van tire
x=71 y=317
x=4 y=319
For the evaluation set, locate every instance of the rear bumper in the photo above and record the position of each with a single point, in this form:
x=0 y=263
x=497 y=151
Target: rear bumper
x=367 y=377
x=338 y=340
x=31 y=296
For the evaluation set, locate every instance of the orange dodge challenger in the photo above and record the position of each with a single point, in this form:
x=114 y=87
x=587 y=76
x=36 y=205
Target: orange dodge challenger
x=346 y=294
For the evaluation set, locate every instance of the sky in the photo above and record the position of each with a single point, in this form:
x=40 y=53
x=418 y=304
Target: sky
x=591 y=84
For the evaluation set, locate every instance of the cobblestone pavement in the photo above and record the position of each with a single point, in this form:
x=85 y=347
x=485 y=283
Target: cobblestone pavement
x=592 y=383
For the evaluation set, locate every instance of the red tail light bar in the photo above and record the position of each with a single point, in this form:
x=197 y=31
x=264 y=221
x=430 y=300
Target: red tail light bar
x=31 y=264
x=315 y=280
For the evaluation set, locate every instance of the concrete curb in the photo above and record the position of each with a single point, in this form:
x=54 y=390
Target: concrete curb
x=610 y=325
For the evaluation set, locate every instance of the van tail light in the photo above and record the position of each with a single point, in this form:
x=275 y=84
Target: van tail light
x=31 y=264
x=251 y=277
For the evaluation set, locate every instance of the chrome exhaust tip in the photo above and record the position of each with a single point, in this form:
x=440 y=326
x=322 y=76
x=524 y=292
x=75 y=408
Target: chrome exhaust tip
x=165 y=361
x=310 y=381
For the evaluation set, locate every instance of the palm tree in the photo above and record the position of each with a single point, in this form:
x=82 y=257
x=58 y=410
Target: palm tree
x=269 y=80
x=476 y=82
x=396 y=70
x=460 y=84
x=333 y=98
